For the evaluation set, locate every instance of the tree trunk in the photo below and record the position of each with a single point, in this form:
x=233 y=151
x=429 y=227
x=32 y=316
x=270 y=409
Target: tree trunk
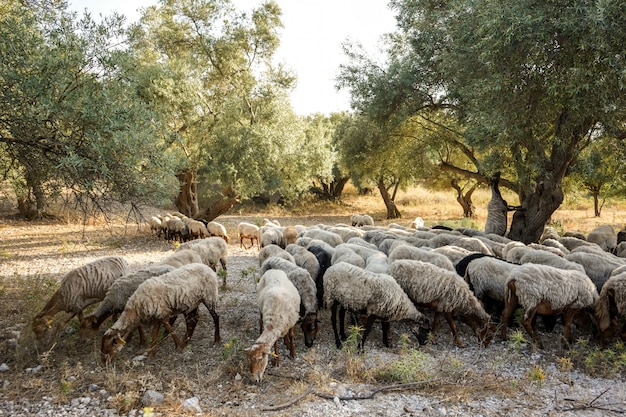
x=217 y=208
x=337 y=187
x=330 y=190
x=392 y=210
x=187 y=199
x=528 y=222
x=465 y=200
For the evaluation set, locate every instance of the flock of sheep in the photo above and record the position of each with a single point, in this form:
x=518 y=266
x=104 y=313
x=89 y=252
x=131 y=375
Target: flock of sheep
x=373 y=273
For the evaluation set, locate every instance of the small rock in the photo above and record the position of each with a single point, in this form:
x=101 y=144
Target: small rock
x=93 y=387
x=4 y=367
x=151 y=398
x=35 y=369
x=238 y=377
x=336 y=400
x=192 y=404
x=139 y=358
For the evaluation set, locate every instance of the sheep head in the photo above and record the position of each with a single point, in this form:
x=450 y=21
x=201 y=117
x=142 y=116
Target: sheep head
x=112 y=344
x=421 y=329
x=88 y=327
x=309 y=327
x=258 y=356
x=44 y=328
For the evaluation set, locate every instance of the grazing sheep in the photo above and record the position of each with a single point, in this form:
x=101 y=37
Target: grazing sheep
x=279 y=303
x=620 y=250
x=176 y=229
x=79 y=288
x=597 y=267
x=196 y=229
x=158 y=299
x=418 y=254
x=571 y=242
x=610 y=307
x=290 y=235
x=274 y=250
x=359 y=241
x=324 y=261
x=604 y=236
x=542 y=289
x=540 y=257
x=333 y=239
x=553 y=243
x=212 y=250
x=376 y=296
x=454 y=253
x=155 y=225
x=307 y=289
x=347 y=254
x=304 y=259
x=377 y=263
x=549 y=232
x=116 y=297
x=416 y=223
x=271 y=235
x=576 y=234
x=217 y=229
x=347 y=232
x=359 y=220
x=182 y=257
x=446 y=293
x=248 y=231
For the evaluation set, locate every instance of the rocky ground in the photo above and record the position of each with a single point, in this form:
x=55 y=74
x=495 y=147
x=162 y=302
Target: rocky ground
x=439 y=379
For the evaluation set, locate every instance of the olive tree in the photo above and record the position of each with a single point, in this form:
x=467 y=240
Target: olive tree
x=71 y=121
x=530 y=82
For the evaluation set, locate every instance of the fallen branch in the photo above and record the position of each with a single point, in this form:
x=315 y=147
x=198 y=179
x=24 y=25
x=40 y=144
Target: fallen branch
x=290 y=403
x=591 y=404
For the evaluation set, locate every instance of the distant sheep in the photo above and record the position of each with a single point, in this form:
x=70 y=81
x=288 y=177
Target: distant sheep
x=597 y=267
x=376 y=296
x=159 y=298
x=248 y=231
x=610 y=307
x=604 y=236
x=444 y=292
x=359 y=220
x=333 y=239
x=116 y=297
x=79 y=288
x=271 y=235
x=279 y=303
x=217 y=229
x=290 y=235
x=542 y=289
x=416 y=223
x=213 y=251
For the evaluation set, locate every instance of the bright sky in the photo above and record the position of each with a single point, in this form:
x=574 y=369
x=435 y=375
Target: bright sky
x=310 y=41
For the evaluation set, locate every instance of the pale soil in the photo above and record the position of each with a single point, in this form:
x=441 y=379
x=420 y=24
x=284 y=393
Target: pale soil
x=470 y=381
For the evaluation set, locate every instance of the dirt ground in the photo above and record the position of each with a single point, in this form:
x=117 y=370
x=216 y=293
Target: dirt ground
x=498 y=380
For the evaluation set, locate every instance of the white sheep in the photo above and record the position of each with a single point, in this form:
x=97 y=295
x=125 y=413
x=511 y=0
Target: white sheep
x=333 y=239
x=182 y=257
x=271 y=235
x=155 y=225
x=376 y=296
x=79 y=288
x=290 y=235
x=540 y=257
x=212 y=250
x=307 y=289
x=359 y=220
x=542 y=289
x=217 y=229
x=196 y=229
x=116 y=297
x=597 y=267
x=304 y=259
x=346 y=232
x=571 y=242
x=454 y=253
x=610 y=306
x=418 y=254
x=604 y=236
x=346 y=254
x=248 y=231
x=377 y=263
x=274 y=250
x=416 y=223
x=158 y=299
x=279 y=304
x=444 y=292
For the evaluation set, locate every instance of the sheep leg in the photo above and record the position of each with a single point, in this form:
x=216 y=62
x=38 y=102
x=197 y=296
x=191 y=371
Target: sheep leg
x=333 y=319
x=386 y=327
x=567 y=331
x=452 y=325
x=142 y=335
x=436 y=320
x=368 y=328
x=216 y=324
x=342 y=323
x=510 y=304
x=170 y=330
x=276 y=355
x=191 y=320
x=289 y=342
x=528 y=325
x=155 y=337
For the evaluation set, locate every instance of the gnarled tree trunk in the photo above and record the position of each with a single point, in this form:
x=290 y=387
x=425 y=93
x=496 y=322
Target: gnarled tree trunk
x=217 y=208
x=465 y=200
x=187 y=199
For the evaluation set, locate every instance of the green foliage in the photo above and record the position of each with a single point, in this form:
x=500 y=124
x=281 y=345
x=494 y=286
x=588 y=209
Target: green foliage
x=596 y=361
x=517 y=341
x=413 y=366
